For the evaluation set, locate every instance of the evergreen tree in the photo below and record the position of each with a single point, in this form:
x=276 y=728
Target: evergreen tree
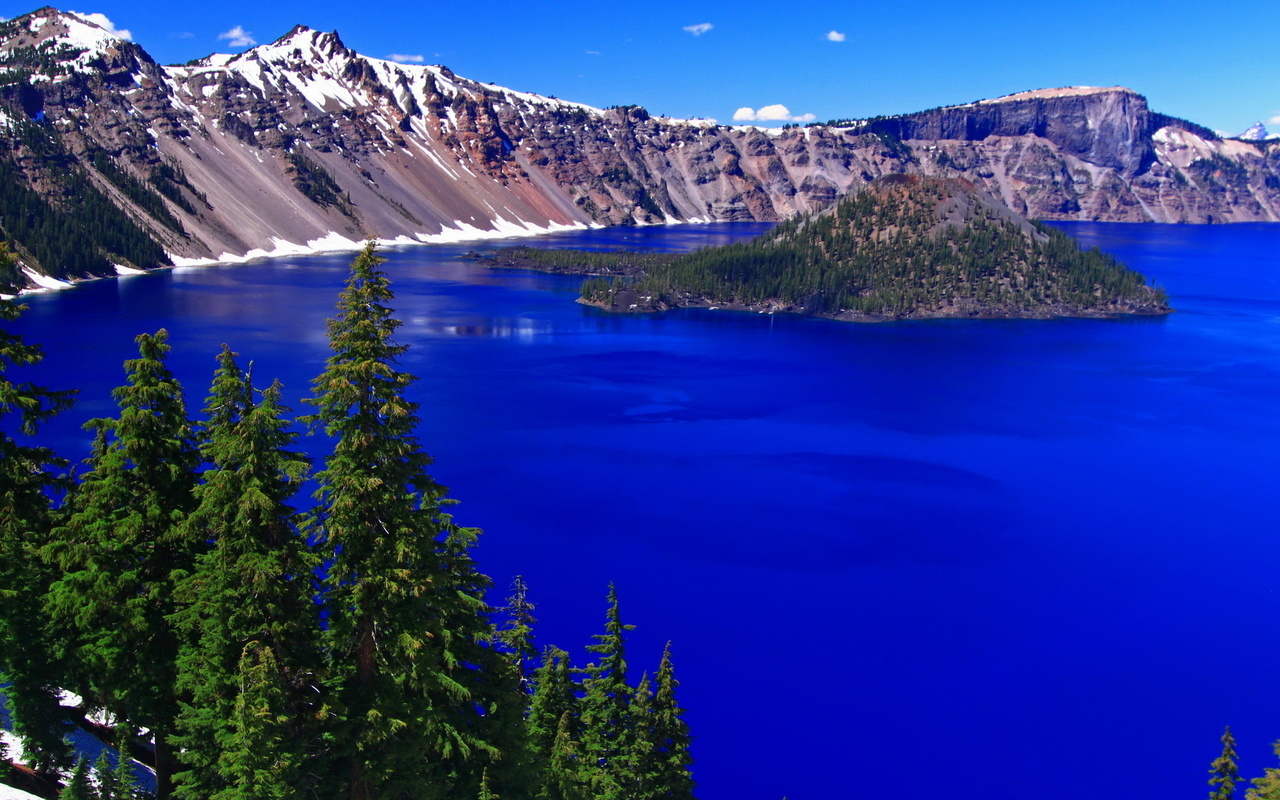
x=565 y=774
x=27 y=472
x=605 y=705
x=123 y=546
x=516 y=635
x=1266 y=787
x=1224 y=771
x=254 y=586
x=78 y=786
x=260 y=762
x=107 y=778
x=553 y=699
x=398 y=611
x=669 y=738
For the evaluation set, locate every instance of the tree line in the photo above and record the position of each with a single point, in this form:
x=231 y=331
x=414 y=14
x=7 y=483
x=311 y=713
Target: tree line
x=894 y=253
x=253 y=651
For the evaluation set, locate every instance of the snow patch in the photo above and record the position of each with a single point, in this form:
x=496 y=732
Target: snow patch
x=121 y=269
x=44 y=281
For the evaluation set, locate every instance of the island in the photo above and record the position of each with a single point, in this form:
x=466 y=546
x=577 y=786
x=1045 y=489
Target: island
x=904 y=247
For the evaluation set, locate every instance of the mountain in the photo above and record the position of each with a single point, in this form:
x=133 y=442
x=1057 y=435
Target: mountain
x=903 y=247
x=111 y=161
x=1257 y=133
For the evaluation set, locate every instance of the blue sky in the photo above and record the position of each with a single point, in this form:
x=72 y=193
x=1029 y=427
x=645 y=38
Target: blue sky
x=1213 y=63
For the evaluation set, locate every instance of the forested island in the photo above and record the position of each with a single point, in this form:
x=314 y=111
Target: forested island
x=905 y=247
x=244 y=649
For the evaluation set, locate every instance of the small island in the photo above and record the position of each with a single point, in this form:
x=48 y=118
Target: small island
x=904 y=247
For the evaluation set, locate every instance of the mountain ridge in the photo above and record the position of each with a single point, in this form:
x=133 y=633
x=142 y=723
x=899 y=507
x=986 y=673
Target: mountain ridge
x=302 y=144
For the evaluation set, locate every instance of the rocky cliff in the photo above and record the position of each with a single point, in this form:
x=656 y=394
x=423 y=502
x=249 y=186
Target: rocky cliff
x=303 y=143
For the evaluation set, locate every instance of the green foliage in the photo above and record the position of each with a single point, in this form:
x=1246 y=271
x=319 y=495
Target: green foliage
x=27 y=474
x=138 y=192
x=259 y=760
x=71 y=228
x=317 y=184
x=412 y=714
x=516 y=633
x=122 y=547
x=893 y=254
x=1224 y=772
x=251 y=595
x=1266 y=787
x=78 y=785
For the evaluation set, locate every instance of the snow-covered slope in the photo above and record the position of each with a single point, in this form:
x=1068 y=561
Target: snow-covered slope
x=303 y=144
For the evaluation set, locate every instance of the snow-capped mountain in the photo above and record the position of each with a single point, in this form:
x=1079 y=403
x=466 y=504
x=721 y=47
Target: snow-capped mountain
x=1258 y=133
x=303 y=143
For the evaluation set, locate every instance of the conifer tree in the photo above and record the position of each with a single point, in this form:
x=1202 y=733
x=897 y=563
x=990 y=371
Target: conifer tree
x=78 y=786
x=123 y=546
x=1224 y=772
x=1266 y=787
x=565 y=778
x=254 y=586
x=260 y=761
x=27 y=649
x=605 y=705
x=669 y=738
x=553 y=701
x=397 y=612
x=516 y=635
x=106 y=777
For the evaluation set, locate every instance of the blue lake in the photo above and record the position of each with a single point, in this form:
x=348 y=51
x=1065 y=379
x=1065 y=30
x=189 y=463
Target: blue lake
x=920 y=559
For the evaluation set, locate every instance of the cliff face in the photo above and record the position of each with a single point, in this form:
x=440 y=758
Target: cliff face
x=303 y=140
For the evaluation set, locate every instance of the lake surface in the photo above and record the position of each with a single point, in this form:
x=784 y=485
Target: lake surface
x=920 y=559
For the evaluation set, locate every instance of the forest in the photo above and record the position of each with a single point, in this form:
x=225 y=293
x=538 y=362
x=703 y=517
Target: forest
x=249 y=644
x=905 y=247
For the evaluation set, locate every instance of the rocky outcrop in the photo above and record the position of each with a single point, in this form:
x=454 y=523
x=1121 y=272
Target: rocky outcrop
x=303 y=141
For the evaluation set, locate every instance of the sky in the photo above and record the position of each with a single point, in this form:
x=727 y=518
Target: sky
x=774 y=62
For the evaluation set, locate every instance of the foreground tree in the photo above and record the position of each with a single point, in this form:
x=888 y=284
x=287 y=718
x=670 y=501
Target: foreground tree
x=122 y=548
x=666 y=740
x=400 y=593
x=1266 y=787
x=251 y=596
x=1224 y=772
x=27 y=474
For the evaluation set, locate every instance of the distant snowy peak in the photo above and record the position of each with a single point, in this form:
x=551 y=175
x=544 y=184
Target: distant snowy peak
x=71 y=38
x=1258 y=133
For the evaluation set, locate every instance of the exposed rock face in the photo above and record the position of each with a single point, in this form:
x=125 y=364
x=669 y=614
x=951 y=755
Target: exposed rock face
x=303 y=138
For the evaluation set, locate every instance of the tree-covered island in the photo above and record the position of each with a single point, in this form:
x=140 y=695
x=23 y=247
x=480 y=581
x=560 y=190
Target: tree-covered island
x=905 y=247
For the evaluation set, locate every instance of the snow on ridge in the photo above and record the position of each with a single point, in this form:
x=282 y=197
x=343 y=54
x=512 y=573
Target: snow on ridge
x=1046 y=94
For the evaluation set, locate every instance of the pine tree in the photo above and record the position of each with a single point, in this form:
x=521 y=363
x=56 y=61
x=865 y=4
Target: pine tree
x=553 y=699
x=398 y=609
x=605 y=705
x=517 y=633
x=78 y=786
x=260 y=761
x=27 y=649
x=669 y=737
x=565 y=774
x=106 y=777
x=1266 y=787
x=122 y=547
x=1224 y=770
x=254 y=586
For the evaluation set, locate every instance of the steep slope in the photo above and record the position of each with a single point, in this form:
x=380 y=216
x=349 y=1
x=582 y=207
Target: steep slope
x=903 y=247
x=303 y=143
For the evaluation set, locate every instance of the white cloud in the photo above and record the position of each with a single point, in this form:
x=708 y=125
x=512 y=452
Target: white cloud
x=401 y=58
x=835 y=36
x=699 y=29
x=773 y=113
x=1274 y=120
x=102 y=22
x=239 y=37
x=593 y=52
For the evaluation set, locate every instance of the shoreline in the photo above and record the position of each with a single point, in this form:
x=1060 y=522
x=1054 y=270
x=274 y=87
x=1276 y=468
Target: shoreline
x=332 y=242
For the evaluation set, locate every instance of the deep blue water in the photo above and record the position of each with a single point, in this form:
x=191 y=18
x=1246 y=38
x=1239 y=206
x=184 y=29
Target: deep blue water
x=954 y=558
